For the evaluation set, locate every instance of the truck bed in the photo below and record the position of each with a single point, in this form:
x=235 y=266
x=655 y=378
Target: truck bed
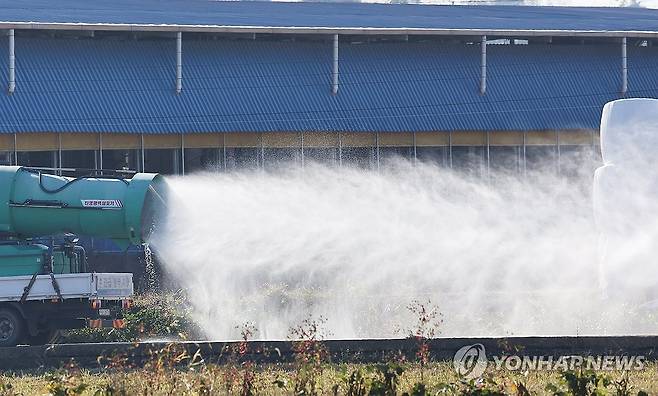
x=103 y=286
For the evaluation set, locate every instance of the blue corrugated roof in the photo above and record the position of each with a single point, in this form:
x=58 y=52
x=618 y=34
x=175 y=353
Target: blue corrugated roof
x=96 y=85
x=327 y=15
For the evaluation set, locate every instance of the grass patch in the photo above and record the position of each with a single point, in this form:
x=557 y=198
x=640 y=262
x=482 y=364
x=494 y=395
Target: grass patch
x=432 y=379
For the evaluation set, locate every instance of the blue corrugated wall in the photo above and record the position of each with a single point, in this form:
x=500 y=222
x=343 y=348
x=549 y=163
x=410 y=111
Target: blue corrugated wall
x=94 y=85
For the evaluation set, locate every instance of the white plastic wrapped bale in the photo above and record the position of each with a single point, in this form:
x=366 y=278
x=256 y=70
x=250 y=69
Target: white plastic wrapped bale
x=625 y=200
x=629 y=130
x=625 y=196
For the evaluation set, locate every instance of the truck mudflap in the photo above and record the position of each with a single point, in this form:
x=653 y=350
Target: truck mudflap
x=107 y=323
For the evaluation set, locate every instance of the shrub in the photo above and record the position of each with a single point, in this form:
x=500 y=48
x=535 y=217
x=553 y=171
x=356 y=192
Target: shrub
x=152 y=316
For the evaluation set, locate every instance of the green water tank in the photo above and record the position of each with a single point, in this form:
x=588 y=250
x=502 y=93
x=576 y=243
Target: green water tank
x=34 y=204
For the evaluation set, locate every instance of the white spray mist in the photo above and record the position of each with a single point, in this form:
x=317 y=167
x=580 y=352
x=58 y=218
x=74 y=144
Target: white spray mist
x=500 y=256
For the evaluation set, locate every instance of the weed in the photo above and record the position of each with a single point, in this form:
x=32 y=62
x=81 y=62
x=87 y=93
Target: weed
x=484 y=386
x=580 y=383
x=419 y=389
x=591 y=383
x=427 y=327
x=623 y=386
x=387 y=379
x=310 y=354
x=231 y=379
x=518 y=388
x=281 y=384
x=356 y=383
x=247 y=331
x=239 y=373
x=111 y=390
x=6 y=388
x=63 y=383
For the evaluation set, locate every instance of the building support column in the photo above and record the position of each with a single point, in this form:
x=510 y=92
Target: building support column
x=15 y=150
x=340 y=150
x=12 y=62
x=260 y=157
x=450 y=149
x=182 y=153
x=558 y=154
x=100 y=151
x=59 y=153
x=415 y=149
x=143 y=152
x=624 y=67
x=525 y=167
x=483 y=65
x=593 y=137
x=224 y=150
x=302 y=147
x=488 y=156
x=377 y=149
x=334 y=73
x=179 y=62
x=175 y=158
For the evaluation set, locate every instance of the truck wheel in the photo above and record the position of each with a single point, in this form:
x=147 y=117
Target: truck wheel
x=11 y=327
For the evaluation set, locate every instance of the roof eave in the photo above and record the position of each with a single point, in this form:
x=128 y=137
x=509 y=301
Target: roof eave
x=322 y=30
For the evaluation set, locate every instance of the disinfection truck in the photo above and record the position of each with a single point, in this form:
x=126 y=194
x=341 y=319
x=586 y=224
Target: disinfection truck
x=45 y=282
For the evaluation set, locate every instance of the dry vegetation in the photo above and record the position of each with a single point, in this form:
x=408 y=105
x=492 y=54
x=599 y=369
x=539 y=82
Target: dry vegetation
x=172 y=371
x=392 y=379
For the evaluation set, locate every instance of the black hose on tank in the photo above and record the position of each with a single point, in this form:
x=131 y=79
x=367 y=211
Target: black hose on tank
x=68 y=184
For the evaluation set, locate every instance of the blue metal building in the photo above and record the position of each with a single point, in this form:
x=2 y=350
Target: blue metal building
x=177 y=85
